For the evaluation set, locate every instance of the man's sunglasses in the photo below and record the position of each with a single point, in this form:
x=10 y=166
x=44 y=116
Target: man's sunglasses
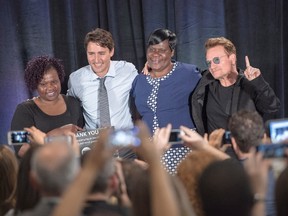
x=216 y=60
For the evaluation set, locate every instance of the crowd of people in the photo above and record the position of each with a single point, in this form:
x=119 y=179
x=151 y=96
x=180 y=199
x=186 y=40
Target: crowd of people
x=197 y=176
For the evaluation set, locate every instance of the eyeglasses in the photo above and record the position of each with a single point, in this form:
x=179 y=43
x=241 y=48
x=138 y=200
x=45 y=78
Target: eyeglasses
x=216 y=60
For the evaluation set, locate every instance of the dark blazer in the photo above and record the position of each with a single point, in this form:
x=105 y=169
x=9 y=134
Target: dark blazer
x=254 y=95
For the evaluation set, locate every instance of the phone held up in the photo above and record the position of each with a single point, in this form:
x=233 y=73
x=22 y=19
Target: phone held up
x=273 y=150
x=124 y=138
x=17 y=137
x=226 y=138
x=175 y=136
x=277 y=130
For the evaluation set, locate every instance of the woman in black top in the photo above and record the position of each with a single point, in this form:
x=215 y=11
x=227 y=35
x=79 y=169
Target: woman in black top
x=50 y=110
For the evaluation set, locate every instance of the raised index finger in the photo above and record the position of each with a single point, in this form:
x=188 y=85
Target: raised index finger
x=247 y=61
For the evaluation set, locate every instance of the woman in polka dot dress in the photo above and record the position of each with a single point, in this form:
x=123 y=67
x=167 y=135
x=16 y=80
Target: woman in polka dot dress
x=162 y=96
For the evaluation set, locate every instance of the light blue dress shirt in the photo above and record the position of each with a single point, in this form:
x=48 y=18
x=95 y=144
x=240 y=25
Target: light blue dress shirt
x=84 y=83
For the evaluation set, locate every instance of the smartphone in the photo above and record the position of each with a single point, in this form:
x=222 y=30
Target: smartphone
x=174 y=137
x=272 y=150
x=62 y=138
x=277 y=130
x=17 y=137
x=226 y=138
x=124 y=138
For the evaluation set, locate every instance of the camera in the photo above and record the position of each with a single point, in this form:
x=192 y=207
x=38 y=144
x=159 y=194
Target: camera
x=17 y=137
x=272 y=150
x=226 y=138
x=277 y=130
x=175 y=136
x=124 y=138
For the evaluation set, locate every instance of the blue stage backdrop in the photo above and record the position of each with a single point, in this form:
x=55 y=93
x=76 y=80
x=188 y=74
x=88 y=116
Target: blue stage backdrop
x=35 y=27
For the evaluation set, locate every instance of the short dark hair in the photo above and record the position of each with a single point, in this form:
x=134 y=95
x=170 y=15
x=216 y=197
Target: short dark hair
x=159 y=35
x=37 y=67
x=224 y=189
x=247 y=128
x=99 y=36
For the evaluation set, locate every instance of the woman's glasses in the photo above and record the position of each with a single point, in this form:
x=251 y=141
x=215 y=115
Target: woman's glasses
x=216 y=60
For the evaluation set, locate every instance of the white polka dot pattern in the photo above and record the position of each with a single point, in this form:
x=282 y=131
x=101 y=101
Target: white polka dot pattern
x=173 y=157
x=152 y=99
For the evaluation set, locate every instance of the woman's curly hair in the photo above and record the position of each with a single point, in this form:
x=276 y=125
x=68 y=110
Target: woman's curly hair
x=37 y=67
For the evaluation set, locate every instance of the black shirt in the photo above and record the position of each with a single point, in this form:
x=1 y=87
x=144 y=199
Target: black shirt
x=218 y=106
x=28 y=114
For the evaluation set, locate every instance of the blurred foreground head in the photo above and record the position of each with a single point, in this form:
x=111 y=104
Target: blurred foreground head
x=189 y=171
x=281 y=193
x=225 y=190
x=8 y=176
x=53 y=167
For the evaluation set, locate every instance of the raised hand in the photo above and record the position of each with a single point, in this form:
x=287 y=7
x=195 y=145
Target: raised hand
x=215 y=139
x=36 y=136
x=192 y=139
x=147 y=150
x=146 y=69
x=251 y=72
x=196 y=142
x=161 y=137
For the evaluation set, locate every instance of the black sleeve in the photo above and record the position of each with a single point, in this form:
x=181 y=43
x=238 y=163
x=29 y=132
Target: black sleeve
x=76 y=110
x=22 y=117
x=132 y=106
x=81 y=121
x=262 y=94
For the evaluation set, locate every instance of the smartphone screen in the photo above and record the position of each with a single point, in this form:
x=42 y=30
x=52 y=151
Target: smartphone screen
x=175 y=136
x=278 y=130
x=124 y=138
x=226 y=138
x=17 y=137
x=272 y=150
